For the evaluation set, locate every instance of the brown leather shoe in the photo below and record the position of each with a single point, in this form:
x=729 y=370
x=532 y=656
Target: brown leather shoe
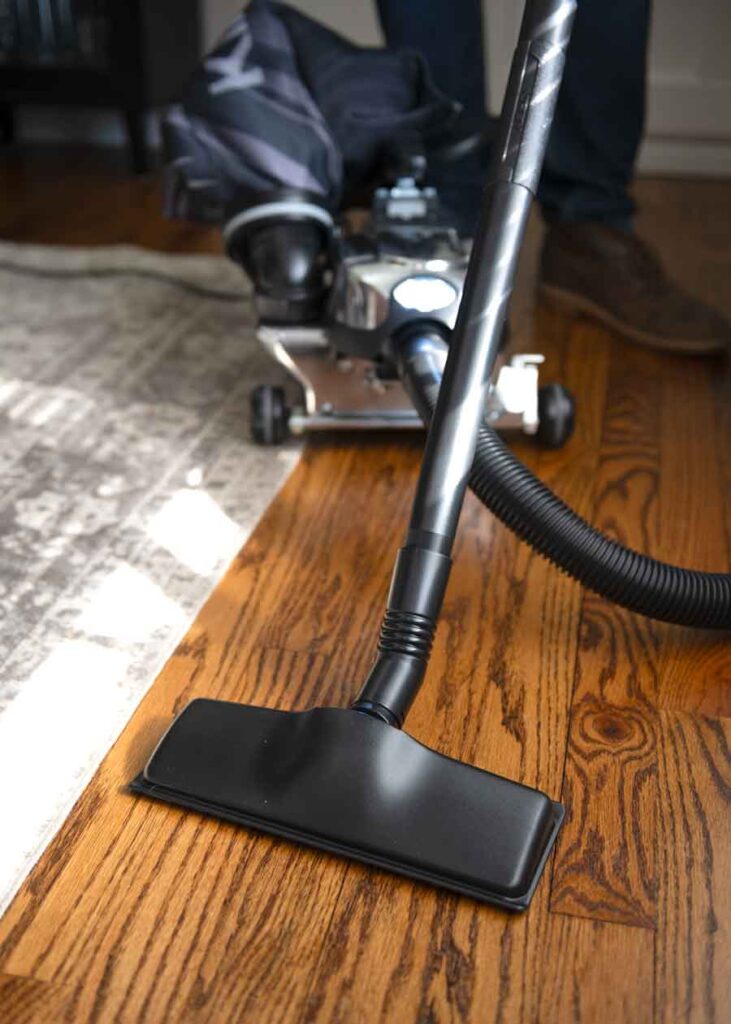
x=613 y=276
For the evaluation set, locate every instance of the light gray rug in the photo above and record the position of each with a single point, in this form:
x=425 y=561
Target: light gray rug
x=128 y=484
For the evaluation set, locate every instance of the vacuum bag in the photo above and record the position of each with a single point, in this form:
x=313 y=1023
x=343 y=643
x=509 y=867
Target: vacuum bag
x=283 y=103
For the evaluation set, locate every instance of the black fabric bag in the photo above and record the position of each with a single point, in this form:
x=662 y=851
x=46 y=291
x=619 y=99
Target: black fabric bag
x=283 y=103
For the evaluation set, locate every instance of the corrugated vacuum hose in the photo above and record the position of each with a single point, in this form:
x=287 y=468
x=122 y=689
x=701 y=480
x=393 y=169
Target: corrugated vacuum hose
x=539 y=517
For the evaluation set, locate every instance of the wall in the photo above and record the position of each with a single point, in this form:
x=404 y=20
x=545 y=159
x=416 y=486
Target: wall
x=354 y=18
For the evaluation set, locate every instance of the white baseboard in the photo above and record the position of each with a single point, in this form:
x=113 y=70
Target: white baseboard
x=690 y=158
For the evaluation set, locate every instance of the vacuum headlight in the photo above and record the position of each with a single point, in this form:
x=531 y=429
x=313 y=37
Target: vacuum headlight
x=424 y=293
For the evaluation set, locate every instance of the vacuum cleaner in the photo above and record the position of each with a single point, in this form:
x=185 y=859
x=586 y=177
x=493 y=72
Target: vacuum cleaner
x=332 y=291
x=349 y=780
x=403 y=272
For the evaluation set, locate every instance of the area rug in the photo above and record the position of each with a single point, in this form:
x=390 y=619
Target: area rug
x=128 y=484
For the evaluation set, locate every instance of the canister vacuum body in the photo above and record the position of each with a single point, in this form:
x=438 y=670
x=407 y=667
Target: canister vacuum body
x=334 y=303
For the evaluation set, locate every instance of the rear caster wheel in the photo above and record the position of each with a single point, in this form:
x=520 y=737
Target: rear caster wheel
x=269 y=415
x=556 y=415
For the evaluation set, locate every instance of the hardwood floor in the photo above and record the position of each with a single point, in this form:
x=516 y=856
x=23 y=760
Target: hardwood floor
x=139 y=912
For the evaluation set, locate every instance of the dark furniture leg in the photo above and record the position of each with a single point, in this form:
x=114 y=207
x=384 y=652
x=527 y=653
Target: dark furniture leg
x=135 y=122
x=7 y=122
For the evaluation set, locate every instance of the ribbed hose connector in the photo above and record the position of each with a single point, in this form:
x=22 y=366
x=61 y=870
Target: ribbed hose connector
x=417 y=588
x=406 y=633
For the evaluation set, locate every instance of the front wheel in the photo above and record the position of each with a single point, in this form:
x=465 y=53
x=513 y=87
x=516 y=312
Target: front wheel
x=269 y=415
x=556 y=415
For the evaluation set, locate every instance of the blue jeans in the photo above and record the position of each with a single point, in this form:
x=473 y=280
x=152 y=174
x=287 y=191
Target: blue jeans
x=600 y=111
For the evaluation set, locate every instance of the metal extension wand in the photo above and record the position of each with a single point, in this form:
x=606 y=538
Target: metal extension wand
x=423 y=563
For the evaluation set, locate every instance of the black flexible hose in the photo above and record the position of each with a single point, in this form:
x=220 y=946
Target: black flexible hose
x=532 y=511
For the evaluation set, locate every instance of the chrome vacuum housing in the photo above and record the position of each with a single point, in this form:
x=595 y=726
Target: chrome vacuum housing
x=331 y=303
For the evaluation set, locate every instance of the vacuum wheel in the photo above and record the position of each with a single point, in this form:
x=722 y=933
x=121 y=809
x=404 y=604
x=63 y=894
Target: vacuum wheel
x=269 y=415
x=556 y=415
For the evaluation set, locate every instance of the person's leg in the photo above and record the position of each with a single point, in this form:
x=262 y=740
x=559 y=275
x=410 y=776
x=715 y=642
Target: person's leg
x=599 y=115
x=448 y=33
x=600 y=110
x=591 y=262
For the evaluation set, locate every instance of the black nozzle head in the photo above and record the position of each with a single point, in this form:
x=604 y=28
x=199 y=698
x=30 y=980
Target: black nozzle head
x=283 y=244
x=350 y=784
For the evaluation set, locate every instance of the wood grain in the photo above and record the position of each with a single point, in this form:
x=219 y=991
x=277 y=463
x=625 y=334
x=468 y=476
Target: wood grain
x=140 y=912
x=582 y=981
x=695 y=666
x=693 y=944
x=610 y=781
x=654 y=462
x=27 y=1001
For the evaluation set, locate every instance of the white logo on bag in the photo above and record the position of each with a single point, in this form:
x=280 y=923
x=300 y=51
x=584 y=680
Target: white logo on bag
x=230 y=69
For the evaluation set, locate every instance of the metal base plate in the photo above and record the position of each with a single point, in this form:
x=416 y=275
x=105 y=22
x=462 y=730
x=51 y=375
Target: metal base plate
x=346 y=393
x=347 y=783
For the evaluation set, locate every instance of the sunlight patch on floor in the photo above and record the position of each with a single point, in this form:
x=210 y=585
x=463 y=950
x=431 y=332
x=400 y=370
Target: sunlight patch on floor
x=127 y=607
x=48 y=736
x=193 y=528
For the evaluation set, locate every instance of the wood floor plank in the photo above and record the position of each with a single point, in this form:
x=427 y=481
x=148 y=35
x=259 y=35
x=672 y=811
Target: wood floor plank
x=605 y=865
x=722 y=418
x=610 y=783
x=462 y=963
x=693 y=961
x=655 y=490
x=28 y=1001
x=581 y=981
x=696 y=665
x=83 y=196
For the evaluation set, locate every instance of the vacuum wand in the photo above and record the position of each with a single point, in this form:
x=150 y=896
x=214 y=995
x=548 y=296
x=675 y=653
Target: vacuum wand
x=423 y=563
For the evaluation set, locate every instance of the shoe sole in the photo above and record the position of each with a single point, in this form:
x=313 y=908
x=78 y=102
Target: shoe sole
x=570 y=302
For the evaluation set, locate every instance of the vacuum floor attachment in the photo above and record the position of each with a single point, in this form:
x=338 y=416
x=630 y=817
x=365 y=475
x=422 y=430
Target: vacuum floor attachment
x=345 y=782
